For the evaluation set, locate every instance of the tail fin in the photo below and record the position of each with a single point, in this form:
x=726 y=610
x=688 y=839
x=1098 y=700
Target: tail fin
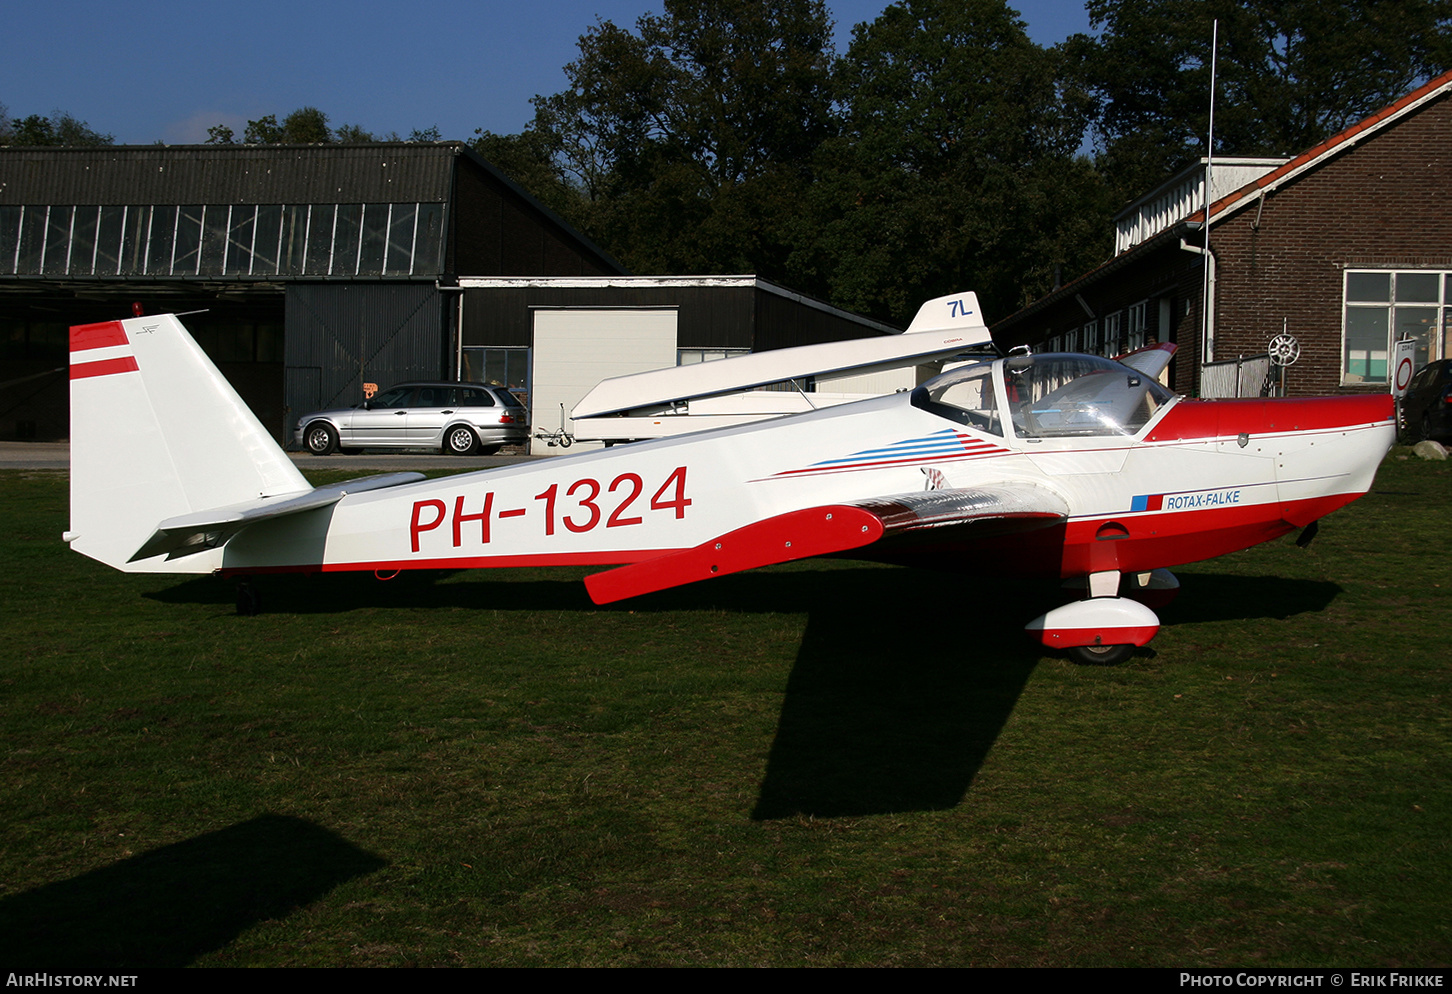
x=157 y=432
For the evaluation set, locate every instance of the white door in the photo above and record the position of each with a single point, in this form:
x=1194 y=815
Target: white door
x=574 y=349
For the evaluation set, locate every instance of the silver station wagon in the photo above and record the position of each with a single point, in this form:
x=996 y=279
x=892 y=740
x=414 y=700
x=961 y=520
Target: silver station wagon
x=457 y=418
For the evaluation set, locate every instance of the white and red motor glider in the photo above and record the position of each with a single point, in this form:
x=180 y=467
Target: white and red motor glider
x=1057 y=465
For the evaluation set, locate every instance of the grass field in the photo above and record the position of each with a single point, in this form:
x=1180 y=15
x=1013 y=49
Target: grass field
x=823 y=764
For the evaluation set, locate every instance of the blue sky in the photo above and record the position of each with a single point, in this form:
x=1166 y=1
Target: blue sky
x=167 y=70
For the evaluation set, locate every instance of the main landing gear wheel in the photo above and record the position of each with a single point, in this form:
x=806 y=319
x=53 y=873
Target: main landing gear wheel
x=321 y=438
x=1101 y=655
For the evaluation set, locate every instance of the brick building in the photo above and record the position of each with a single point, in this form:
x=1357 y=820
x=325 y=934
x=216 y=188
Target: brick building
x=1347 y=247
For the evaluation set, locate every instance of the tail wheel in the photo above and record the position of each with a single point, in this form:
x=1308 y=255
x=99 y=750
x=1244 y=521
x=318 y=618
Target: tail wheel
x=460 y=441
x=248 y=603
x=1101 y=655
x=321 y=438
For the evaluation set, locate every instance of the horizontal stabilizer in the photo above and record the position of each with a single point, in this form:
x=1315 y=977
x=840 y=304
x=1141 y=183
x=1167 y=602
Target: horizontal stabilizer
x=188 y=533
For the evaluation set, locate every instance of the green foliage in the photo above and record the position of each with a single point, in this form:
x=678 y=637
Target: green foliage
x=309 y=126
x=304 y=126
x=689 y=140
x=263 y=131
x=527 y=159
x=956 y=165
x=1290 y=73
x=353 y=134
x=60 y=129
x=939 y=154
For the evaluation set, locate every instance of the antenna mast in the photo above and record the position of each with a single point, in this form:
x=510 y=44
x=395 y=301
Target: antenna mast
x=1207 y=331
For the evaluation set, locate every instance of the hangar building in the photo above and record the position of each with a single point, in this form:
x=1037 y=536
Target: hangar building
x=311 y=270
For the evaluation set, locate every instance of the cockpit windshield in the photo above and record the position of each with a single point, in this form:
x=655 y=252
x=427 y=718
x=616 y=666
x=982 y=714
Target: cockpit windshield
x=965 y=395
x=1056 y=394
x=1051 y=395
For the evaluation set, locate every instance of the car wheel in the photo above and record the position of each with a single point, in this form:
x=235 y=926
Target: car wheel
x=1101 y=655
x=1426 y=426
x=460 y=441
x=321 y=438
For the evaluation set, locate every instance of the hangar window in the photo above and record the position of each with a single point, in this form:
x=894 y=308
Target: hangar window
x=233 y=240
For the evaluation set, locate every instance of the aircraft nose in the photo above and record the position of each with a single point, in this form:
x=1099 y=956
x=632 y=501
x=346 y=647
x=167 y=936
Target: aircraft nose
x=1322 y=413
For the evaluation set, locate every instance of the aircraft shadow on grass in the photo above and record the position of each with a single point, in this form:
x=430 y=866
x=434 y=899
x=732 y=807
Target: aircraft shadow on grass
x=903 y=681
x=166 y=907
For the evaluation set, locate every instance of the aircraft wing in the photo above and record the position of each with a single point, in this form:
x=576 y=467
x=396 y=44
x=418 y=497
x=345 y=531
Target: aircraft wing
x=943 y=327
x=924 y=516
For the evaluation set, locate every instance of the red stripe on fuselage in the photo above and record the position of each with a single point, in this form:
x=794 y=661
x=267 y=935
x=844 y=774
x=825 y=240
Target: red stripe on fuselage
x=97 y=336
x=1196 y=420
x=103 y=367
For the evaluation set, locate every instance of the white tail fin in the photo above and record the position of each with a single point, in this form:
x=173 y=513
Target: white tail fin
x=157 y=432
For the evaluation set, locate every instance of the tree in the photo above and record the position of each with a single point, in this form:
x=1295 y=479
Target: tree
x=59 y=129
x=689 y=138
x=263 y=131
x=1289 y=73
x=353 y=134
x=527 y=159
x=956 y=166
x=306 y=126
